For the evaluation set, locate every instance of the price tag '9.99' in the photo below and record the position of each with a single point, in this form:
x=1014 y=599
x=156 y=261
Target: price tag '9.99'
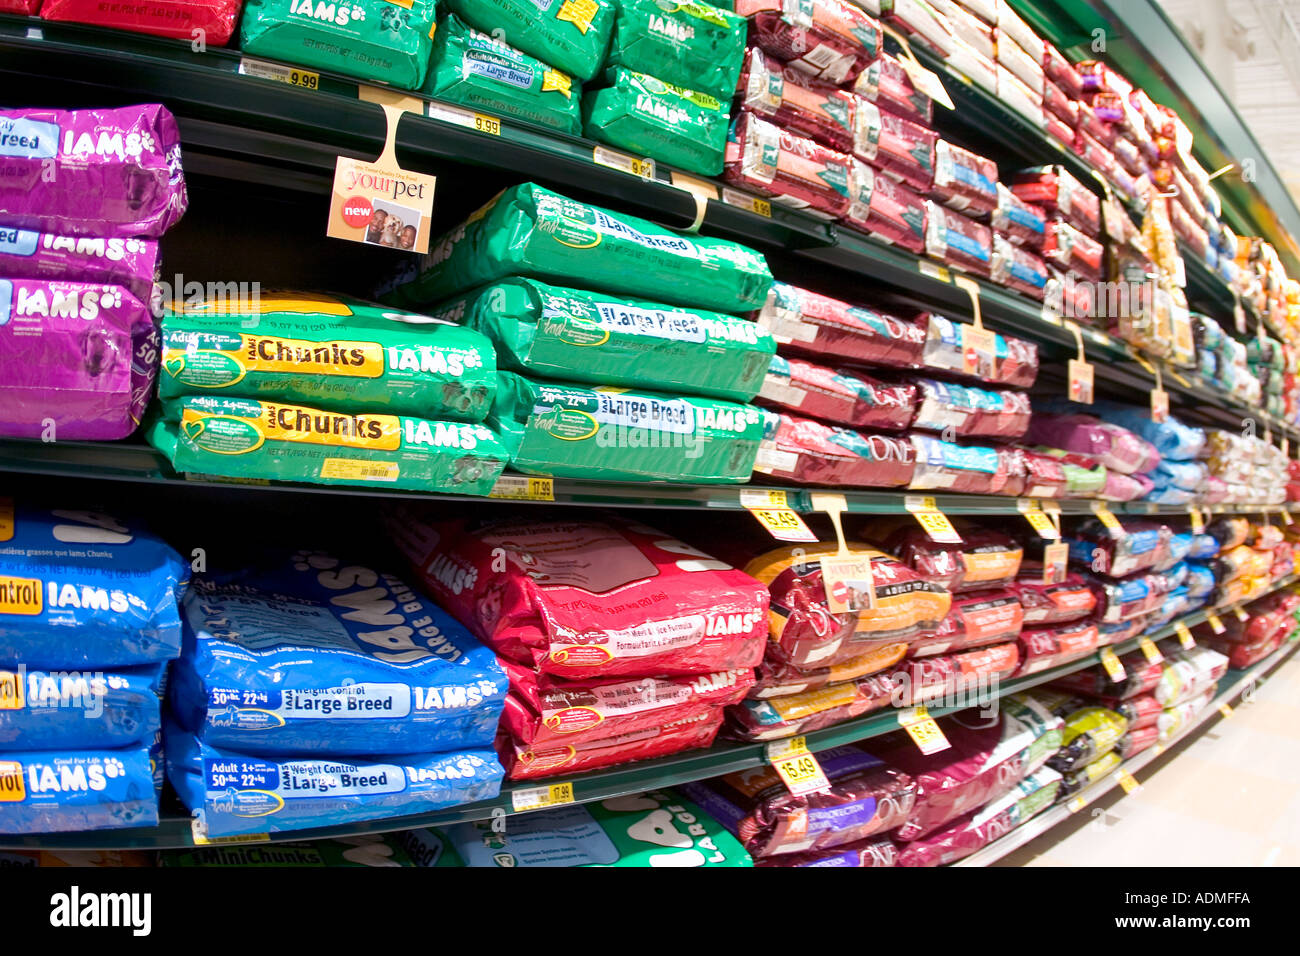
x=796 y=766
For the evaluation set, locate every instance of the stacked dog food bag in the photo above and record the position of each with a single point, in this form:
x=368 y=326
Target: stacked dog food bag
x=329 y=390
x=312 y=691
x=622 y=351
x=84 y=197
x=210 y=21
x=620 y=642
x=89 y=619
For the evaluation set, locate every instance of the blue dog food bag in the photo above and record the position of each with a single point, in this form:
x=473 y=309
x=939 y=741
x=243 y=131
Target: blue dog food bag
x=80 y=589
x=79 y=710
x=233 y=793
x=55 y=790
x=312 y=655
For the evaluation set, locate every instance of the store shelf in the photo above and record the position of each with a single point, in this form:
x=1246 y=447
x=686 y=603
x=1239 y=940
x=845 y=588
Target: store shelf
x=1237 y=683
x=175 y=831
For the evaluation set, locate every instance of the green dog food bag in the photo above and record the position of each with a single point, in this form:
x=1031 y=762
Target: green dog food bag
x=571 y=35
x=688 y=44
x=529 y=230
x=329 y=352
x=612 y=434
x=383 y=41
x=647 y=116
x=479 y=71
x=572 y=335
x=262 y=440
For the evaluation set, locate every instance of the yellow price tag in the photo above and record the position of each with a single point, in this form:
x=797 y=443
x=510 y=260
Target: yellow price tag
x=487 y=124
x=1225 y=710
x=634 y=165
x=1285 y=515
x=535 y=798
x=754 y=204
x=1127 y=781
x=1076 y=804
x=1215 y=622
x=1108 y=519
x=1111 y=662
x=796 y=766
x=921 y=727
x=1184 y=635
x=1150 y=650
x=934 y=271
x=199 y=836
x=303 y=79
x=773 y=512
x=1198 y=521
x=1039 y=521
x=934 y=521
x=523 y=488
x=1241 y=614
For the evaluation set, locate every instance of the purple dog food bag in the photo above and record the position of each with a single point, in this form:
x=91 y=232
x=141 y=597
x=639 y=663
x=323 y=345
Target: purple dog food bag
x=81 y=356
x=131 y=263
x=112 y=172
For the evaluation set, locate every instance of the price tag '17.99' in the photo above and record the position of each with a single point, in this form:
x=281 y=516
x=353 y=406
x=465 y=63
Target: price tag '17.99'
x=535 y=798
x=796 y=767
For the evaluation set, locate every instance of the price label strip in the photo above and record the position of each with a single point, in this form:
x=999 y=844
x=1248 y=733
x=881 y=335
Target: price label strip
x=469 y=119
x=846 y=575
x=924 y=731
x=774 y=513
x=1150 y=650
x=1127 y=781
x=1184 y=635
x=796 y=766
x=199 y=834
x=934 y=521
x=537 y=798
x=1076 y=804
x=1114 y=668
x=290 y=76
x=633 y=165
x=523 y=488
x=755 y=204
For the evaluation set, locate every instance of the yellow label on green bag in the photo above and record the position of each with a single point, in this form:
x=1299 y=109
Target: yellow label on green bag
x=578 y=12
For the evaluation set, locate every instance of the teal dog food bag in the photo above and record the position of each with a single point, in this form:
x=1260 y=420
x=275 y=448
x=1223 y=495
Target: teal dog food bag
x=688 y=44
x=570 y=35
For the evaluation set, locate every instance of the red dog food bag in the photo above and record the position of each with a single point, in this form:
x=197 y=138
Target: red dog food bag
x=1057 y=102
x=1096 y=128
x=1062 y=72
x=827 y=39
x=791 y=169
x=20 y=6
x=803 y=630
x=776 y=679
x=806 y=452
x=1073 y=250
x=976 y=620
x=179 y=19
x=1059 y=129
x=867 y=797
x=1052 y=604
x=817 y=325
x=794 y=101
x=885 y=208
x=1141 y=677
x=542 y=710
x=872 y=852
x=843 y=397
x=1141 y=711
x=970 y=412
x=984 y=559
x=580 y=598
x=1018 y=221
x=966 y=469
x=897 y=146
x=921 y=680
x=1018 y=269
x=804 y=712
x=965 y=181
x=1054 y=188
x=885 y=83
x=523 y=762
x=958 y=240
x=1046 y=647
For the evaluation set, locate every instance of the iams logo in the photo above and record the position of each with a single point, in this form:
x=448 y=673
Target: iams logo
x=74 y=909
x=732 y=624
x=337 y=13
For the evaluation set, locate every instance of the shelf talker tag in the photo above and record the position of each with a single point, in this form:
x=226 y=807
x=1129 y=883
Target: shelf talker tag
x=1108 y=519
x=1241 y=614
x=797 y=766
x=774 y=513
x=846 y=575
x=921 y=727
x=398 y=215
x=1080 y=371
x=1038 y=519
x=978 y=344
x=926 y=81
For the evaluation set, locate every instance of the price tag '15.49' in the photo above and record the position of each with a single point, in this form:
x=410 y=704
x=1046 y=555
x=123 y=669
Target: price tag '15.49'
x=796 y=767
x=934 y=521
x=921 y=727
x=773 y=512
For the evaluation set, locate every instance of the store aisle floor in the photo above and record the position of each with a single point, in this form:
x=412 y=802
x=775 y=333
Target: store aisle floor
x=1228 y=797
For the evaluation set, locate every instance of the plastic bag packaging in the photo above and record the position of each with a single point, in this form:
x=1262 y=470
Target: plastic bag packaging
x=29 y=7
x=1184 y=475
x=1061 y=71
x=1085 y=475
x=793 y=170
x=805 y=633
x=1118 y=448
x=51 y=791
x=970 y=412
x=872 y=852
x=1044 y=648
x=976 y=620
x=1141 y=677
x=1126 y=487
x=965 y=181
x=867 y=797
x=575 y=431
x=984 y=559
x=1174 y=720
x=214 y=20
x=691 y=45
x=523 y=762
x=958 y=240
x=1020 y=222
x=886 y=83
x=570 y=37
x=237 y=794
x=1081 y=779
x=1125 y=598
x=1073 y=251
x=969 y=469
x=575 y=335
x=1032 y=474
x=827 y=39
x=1136 y=741
x=244 y=438
x=1058 y=103
x=329 y=352
x=111 y=602
x=1018 y=269
x=813 y=324
x=1089 y=733
x=1172 y=439
x=983 y=763
x=1141 y=712
x=1189 y=674
x=1142 y=544
x=1014 y=362
x=47 y=709
x=659 y=828
x=55 y=180
x=897 y=146
x=792 y=100
x=806 y=711
x=1048 y=605
x=276 y=663
x=844 y=397
x=478 y=70
x=1200 y=580
x=923 y=680
x=81 y=356
x=803 y=451
x=775 y=679
x=979 y=828
x=528 y=230
x=673 y=124
x=1054 y=188
x=536 y=606
x=884 y=207
x=1229 y=531
x=129 y=263
x=369 y=40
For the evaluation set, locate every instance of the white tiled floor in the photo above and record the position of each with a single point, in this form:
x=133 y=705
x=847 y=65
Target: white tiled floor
x=1228 y=797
